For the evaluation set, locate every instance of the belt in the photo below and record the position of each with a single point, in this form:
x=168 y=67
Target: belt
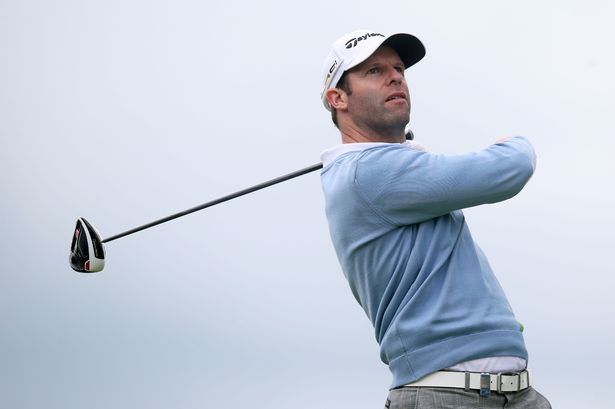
x=484 y=382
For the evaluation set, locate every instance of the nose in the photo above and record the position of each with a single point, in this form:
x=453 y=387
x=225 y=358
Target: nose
x=395 y=77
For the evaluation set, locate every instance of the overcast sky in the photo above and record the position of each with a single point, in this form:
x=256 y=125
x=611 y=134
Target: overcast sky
x=126 y=111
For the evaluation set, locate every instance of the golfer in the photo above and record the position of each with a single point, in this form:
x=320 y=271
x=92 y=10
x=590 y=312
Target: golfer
x=443 y=323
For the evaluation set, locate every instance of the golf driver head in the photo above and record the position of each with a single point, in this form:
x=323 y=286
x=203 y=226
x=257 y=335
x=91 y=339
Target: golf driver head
x=87 y=254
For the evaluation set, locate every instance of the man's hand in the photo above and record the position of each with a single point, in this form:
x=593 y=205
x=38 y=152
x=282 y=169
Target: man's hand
x=502 y=139
x=416 y=146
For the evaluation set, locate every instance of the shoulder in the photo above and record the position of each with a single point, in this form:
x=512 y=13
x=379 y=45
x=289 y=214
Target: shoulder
x=389 y=159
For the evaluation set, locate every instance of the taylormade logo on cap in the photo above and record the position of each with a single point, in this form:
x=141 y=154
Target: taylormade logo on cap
x=332 y=69
x=354 y=41
x=353 y=48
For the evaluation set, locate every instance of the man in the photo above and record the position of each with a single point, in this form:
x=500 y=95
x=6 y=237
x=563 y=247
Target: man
x=443 y=323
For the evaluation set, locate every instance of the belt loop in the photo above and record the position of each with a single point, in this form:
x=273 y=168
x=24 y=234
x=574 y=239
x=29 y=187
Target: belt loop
x=467 y=384
x=485 y=384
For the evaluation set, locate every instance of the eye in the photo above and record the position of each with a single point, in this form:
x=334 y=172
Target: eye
x=373 y=70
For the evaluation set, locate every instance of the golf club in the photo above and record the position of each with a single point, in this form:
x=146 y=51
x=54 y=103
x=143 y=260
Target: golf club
x=87 y=253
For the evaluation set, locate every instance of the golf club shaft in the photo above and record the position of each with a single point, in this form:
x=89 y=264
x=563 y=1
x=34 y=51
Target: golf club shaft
x=218 y=201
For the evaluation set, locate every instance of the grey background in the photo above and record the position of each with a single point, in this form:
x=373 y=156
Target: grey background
x=126 y=111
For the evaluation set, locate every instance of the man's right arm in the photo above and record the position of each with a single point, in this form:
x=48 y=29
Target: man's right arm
x=406 y=186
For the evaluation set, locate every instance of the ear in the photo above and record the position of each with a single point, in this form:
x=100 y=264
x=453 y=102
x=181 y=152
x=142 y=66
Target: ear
x=337 y=98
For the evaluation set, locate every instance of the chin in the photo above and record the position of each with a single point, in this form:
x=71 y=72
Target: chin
x=400 y=120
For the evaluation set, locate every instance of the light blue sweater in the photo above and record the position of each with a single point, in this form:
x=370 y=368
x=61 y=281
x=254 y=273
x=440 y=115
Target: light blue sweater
x=404 y=246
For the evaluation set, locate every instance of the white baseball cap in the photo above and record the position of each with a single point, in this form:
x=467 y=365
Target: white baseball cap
x=353 y=48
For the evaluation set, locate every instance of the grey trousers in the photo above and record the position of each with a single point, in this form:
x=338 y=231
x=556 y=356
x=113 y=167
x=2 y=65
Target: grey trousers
x=445 y=398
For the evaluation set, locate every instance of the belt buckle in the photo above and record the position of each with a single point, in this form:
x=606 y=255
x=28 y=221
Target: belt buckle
x=516 y=375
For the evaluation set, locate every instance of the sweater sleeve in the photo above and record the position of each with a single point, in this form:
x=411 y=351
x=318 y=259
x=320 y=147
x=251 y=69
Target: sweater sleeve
x=405 y=186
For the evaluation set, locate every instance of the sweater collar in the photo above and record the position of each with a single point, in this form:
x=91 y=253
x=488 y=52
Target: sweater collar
x=333 y=153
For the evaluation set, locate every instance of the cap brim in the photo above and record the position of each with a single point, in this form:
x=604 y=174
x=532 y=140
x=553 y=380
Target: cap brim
x=409 y=48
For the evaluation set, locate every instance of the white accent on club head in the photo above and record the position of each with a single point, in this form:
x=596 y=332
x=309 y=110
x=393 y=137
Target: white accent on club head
x=95 y=264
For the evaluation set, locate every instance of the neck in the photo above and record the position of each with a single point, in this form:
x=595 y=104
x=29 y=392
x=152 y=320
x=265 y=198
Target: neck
x=356 y=135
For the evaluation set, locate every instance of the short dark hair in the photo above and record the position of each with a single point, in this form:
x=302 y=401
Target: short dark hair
x=344 y=85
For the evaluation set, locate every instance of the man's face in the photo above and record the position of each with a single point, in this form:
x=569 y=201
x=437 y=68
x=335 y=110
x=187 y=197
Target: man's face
x=379 y=100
